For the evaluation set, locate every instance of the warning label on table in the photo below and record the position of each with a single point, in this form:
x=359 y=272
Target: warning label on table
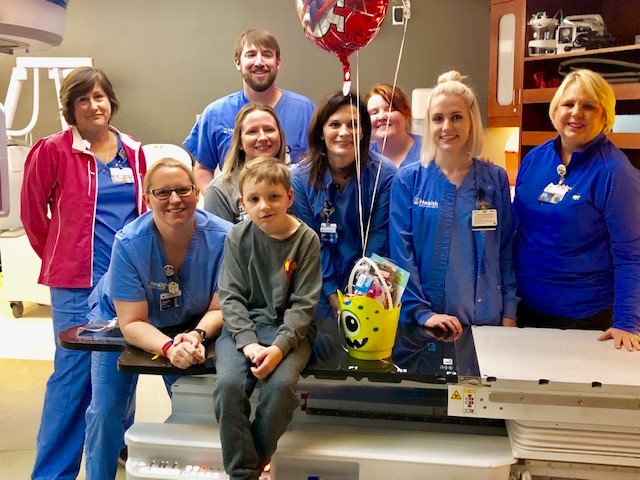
x=469 y=401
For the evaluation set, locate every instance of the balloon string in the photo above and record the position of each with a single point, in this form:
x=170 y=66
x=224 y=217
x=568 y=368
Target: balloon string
x=384 y=142
x=356 y=142
x=395 y=81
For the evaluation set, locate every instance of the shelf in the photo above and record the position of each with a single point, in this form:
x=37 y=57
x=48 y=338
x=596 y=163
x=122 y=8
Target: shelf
x=620 y=140
x=625 y=140
x=622 y=91
x=584 y=53
x=530 y=110
x=536 y=138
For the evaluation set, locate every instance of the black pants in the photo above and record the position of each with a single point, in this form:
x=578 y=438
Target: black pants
x=528 y=317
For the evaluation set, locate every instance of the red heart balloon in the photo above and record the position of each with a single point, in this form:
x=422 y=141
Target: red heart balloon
x=341 y=26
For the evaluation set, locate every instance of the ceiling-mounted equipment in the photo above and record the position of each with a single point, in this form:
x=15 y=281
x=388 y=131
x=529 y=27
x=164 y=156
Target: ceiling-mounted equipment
x=28 y=26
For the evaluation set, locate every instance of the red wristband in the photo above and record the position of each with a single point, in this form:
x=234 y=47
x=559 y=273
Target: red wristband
x=165 y=347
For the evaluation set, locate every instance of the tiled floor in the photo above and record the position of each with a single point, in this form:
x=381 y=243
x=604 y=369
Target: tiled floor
x=26 y=351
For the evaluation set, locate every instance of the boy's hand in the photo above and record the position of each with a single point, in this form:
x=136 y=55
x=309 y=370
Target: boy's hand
x=252 y=350
x=266 y=361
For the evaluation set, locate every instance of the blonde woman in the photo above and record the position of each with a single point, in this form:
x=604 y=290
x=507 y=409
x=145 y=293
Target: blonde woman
x=257 y=133
x=451 y=224
x=162 y=285
x=578 y=238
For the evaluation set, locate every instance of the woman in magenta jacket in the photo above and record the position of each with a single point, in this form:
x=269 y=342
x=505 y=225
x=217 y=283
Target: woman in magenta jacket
x=80 y=187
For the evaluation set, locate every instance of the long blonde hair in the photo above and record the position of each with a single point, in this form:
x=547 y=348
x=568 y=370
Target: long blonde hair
x=450 y=83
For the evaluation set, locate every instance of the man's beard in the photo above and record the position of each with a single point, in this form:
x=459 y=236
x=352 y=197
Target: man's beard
x=262 y=84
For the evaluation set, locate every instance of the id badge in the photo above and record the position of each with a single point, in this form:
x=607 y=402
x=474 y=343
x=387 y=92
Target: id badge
x=553 y=193
x=484 y=219
x=170 y=300
x=121 y=175
x=329 y=232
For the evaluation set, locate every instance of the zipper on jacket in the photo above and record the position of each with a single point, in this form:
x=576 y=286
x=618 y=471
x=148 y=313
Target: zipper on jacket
x=89 y=173
x=93 y=217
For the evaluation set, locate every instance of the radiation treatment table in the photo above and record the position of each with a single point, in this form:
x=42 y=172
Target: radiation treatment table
x=490 y=403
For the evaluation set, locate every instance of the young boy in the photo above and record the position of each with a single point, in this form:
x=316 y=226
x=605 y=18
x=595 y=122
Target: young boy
x=270 y=283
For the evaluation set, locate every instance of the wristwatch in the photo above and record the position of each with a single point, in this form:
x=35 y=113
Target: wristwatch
x=202 y=333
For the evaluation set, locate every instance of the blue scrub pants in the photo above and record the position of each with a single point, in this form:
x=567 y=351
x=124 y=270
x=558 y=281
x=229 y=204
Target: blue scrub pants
x=247 y=447
x=109 y=414
x=62 y=428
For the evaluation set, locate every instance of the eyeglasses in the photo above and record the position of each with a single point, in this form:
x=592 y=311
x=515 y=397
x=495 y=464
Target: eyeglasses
x=164 y=193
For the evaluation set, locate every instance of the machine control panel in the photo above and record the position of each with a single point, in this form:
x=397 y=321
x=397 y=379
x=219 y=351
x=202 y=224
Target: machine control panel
x=160 y=468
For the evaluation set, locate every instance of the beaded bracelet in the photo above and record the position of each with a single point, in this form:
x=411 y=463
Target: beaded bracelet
x=165 y=347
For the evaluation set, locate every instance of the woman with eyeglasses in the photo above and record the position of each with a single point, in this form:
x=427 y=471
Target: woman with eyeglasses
x=162 y=286
x=80 y=187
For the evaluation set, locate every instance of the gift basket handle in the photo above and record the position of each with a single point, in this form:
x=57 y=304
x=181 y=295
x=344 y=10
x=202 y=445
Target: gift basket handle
x=376 y=269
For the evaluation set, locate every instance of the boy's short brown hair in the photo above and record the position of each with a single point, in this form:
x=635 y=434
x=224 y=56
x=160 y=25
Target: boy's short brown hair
x=265 y=169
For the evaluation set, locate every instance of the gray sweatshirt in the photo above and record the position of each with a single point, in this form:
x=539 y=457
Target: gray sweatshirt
x=268 y=281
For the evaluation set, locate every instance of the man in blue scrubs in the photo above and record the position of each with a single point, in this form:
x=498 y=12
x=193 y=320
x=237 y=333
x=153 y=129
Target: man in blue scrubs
x=257 y=58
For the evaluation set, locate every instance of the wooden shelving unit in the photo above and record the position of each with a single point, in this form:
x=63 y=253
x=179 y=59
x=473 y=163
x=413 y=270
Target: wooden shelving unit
x=621 y=140
x=529 y=110
x=623 y=91
x=586 y=53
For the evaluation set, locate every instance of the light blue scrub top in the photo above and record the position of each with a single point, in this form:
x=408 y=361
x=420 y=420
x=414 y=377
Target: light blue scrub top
x=136 y=272
x=413 y=155
x=115 y=208
x=210 y=138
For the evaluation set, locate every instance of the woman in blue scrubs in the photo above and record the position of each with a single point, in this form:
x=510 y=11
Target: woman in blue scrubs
x=162 y=280
x=257 y=133
x=391 y=120
x=576 y=206
x=80 y=187
x=327 y=188
x=451 y=225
